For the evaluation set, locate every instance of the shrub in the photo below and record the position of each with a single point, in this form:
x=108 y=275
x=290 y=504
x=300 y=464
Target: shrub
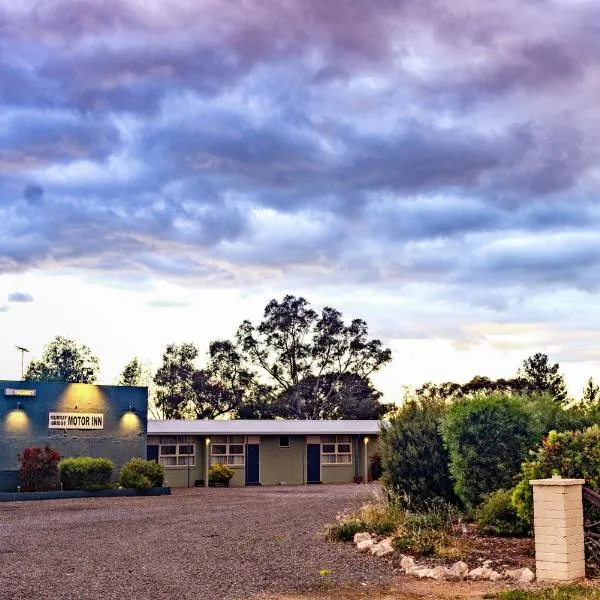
x=414 y=460
x=220 y=474
x=39 y=469
x=86 y=473
x=487 y=439
x=574 y=454
x=141 y=474
x=379 y=518
x=498 y=516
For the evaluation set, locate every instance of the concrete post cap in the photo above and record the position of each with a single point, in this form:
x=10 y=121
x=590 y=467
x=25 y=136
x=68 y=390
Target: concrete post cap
x=558 y=481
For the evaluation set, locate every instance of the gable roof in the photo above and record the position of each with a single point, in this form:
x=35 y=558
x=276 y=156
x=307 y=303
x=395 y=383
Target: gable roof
x=261 y=427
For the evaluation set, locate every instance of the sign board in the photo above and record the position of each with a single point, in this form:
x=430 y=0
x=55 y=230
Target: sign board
x=63 y=420
x=18 y=392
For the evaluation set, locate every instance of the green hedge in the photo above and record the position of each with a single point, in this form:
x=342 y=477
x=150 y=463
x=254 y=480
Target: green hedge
x=141 y=474
x=86 y=473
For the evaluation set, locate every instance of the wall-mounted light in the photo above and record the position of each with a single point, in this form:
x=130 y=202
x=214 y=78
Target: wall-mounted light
x=19 y=405
x=366 y=440
x=207 y=441
x=131 y=408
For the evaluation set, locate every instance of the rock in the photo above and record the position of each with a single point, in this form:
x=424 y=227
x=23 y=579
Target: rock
x=439 y=572
x=365 y=545
x=487 y=564
x=383 y=548
x=524 y=575
x=363 y=536
x=407 y=563
x=422 y=572
x=483 y=574
x=458 y=571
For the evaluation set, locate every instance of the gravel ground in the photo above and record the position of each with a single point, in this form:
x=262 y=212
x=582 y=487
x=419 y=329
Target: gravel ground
x=215 y=544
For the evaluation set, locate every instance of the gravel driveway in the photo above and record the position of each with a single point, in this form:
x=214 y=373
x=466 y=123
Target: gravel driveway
x=196 y=544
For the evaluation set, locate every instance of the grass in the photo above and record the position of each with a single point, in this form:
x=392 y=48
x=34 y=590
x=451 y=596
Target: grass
x=556 y=593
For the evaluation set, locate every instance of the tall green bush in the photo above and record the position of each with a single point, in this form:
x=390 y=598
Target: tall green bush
x=141 y=474
x=414 y=460
x=574 y=454
x=85 y=473
x=487 y=438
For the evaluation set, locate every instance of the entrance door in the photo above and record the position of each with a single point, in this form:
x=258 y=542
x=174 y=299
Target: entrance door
x=252 y=464
x=152 y=453
x=313 y=463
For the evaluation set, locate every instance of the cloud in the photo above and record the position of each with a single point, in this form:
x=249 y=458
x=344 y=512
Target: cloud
x=20 y=297
x=167 y=304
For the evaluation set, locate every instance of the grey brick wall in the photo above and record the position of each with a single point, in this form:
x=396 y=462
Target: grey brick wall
x=123 y=436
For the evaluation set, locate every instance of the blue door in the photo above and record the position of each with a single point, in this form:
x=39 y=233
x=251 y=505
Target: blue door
x=313 y=463
x=152 y=453
x=252 y=464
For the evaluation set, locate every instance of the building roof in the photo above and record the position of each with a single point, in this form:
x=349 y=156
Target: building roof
x=261 y=427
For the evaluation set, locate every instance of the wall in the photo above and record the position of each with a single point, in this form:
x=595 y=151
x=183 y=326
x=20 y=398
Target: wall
x=287 y=465
x=123 y=435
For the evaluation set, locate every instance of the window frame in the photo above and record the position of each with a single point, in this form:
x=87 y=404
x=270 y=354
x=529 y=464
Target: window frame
x=346 y=440
x=177 y=441
x=230 y=440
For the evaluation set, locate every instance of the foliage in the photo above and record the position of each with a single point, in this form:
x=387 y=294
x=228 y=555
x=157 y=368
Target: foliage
x=498 y=516
x=548 y=415
x=64 y=360
x=487 y=438
x=132 y=373
x=38 y=469
x=141 y=474
x=413 y=456
x=427 y=532
x=378 y=517
x=451 y=391
x=376 y=467
x=591 y=394
x=220 y=473
x=86 y=473
x=574 y=454
x=538 y=375
x=569 y=592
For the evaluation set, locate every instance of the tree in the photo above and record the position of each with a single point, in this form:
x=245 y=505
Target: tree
x=305 y=359
x=450 y=391
x=591 y=394
x=538 y=375
x=183 y=391
x=64 y=360
x=414 y=459
x=132 y=373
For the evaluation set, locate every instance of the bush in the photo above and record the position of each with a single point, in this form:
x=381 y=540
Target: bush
x=574 y=454
x=414 y=459
x=379 y=518
x=86 y=473
x=39 y=469
x=141 y=474
x=498 y=516
x=220 y=474
x=487 y=438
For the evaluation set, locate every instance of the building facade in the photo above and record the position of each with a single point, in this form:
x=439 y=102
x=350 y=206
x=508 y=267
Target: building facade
x=74 y=418
x=266 y=452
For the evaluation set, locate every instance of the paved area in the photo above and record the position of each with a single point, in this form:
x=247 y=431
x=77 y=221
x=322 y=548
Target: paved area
x=215 y=544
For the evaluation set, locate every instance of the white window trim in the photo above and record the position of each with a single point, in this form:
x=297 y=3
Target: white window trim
x=177 y=454
x=336 y=453
x=227 y=453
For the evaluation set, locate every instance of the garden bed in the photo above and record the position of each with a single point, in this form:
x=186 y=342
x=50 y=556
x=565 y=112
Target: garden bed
x=63 y=495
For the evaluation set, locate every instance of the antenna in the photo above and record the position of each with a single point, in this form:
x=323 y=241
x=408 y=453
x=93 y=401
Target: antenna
x=22 y=351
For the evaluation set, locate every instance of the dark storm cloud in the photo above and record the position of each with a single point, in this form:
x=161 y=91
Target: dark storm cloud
x=454 y=143
x=20 y=297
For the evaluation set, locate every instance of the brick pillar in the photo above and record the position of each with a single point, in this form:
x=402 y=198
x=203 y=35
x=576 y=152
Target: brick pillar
x=558 y=528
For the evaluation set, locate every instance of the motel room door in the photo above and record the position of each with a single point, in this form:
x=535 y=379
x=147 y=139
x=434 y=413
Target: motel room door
x=252 y=464
x=313 y=463
x=152 y=453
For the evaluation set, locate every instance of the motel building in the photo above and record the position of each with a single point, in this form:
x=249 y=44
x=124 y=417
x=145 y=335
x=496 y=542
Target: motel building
x=111 y=422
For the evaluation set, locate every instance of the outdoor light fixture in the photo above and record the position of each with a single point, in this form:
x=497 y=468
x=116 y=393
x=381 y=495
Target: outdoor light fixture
x=207 y=441
x=19 y=405
x=366 y=440
x=131 y=408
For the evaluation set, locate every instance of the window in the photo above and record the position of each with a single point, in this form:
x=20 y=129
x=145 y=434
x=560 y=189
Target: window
x=227 y=450
x=177 y=451
x=284 y=441
x=336 y=449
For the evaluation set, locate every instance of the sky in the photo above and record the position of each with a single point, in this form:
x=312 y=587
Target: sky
x=167 y=168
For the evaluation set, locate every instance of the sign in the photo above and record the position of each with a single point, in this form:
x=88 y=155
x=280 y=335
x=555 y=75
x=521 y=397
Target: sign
x=57 y=420
x=18 y=392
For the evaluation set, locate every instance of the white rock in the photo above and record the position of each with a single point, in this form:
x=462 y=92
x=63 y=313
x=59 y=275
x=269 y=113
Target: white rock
x=407 y=563
x=383 y=548
x=524 y=575
x=487 y=563
x=484 y=574
x=422 y=572
x=363 y=536
x=365 y=545
x=439 y=572
x=458 y=571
